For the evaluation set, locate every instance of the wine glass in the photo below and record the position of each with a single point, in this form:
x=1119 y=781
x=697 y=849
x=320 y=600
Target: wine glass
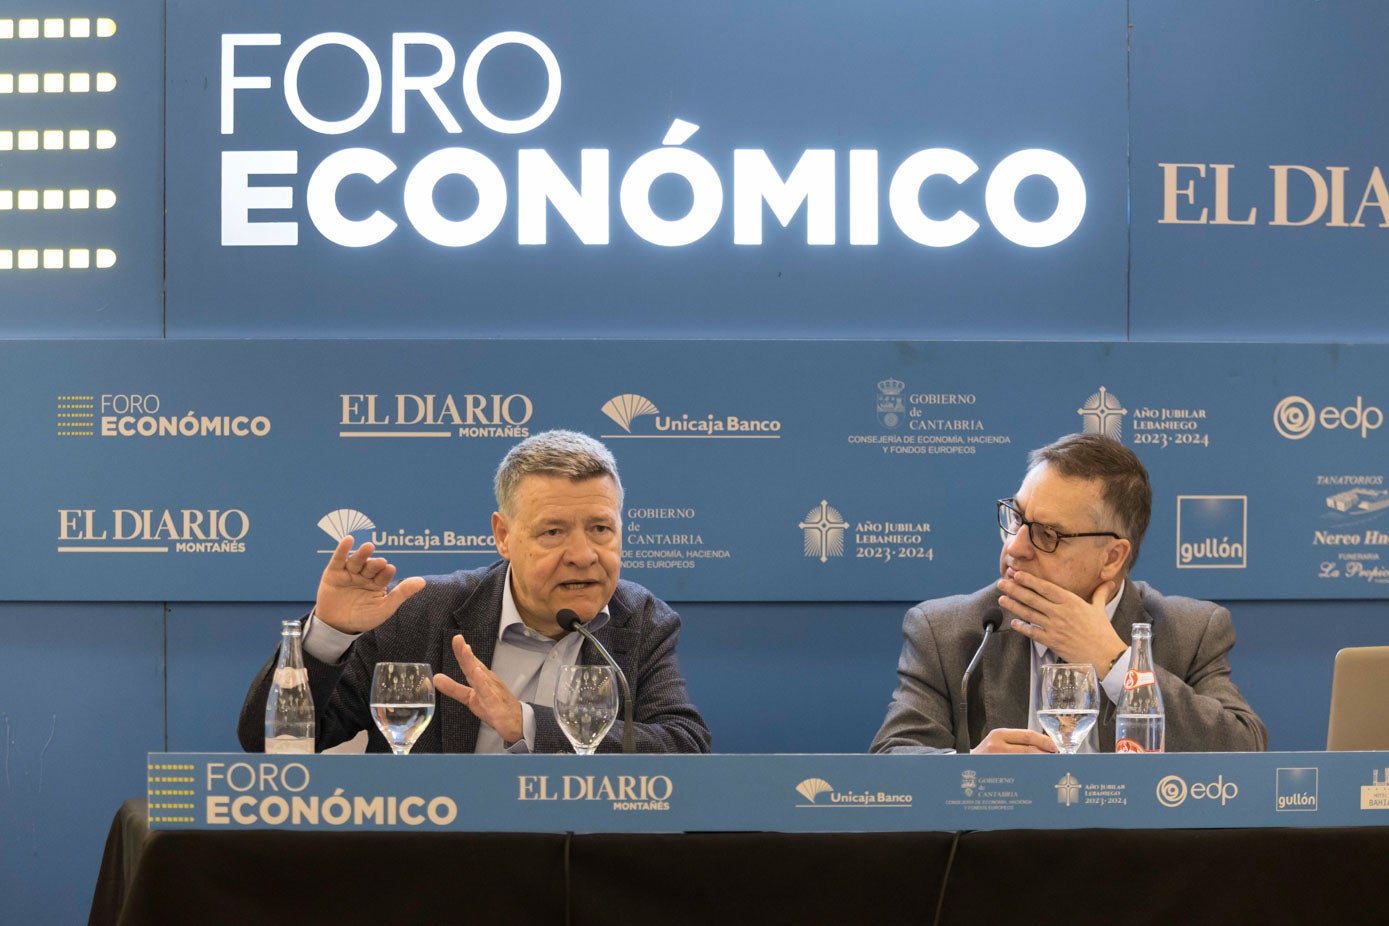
x=585 y=705
x=1070 y=704
x=402 y=702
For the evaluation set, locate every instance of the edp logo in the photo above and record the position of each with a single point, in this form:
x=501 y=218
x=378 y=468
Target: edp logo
x=1173 y=791
x=1295 y=417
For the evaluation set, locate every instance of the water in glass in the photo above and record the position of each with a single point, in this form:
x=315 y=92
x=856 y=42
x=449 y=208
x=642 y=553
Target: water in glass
x=402 y=702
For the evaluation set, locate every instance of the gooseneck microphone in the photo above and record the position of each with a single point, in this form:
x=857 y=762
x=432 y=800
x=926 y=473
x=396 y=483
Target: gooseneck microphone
x=992 y=618
x=568 y=620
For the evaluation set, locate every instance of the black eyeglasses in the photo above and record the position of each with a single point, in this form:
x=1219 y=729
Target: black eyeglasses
x=1044 y=537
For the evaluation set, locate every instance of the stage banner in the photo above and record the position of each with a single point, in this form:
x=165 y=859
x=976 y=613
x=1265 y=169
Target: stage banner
x=81 y=169
x=197 y=470
x=776 y=793
x=1260 y=206
x=905 y=168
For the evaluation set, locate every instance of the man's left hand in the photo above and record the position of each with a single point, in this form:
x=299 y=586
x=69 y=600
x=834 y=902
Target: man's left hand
x=1076 y=630
x=485 y=694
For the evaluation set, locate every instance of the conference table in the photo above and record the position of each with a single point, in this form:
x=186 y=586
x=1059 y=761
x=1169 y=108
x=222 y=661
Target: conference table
x=1267 y=838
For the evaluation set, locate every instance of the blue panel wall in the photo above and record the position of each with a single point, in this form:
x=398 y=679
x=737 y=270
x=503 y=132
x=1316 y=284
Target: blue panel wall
x=81 y=702
x=1232 y=157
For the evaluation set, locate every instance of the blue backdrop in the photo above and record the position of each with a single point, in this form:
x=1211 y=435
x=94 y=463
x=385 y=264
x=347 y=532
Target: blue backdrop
x=775 y=213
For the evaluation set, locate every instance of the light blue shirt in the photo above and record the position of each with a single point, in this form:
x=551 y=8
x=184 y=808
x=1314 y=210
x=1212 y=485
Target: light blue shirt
x=1112 y=683
x=527 y=662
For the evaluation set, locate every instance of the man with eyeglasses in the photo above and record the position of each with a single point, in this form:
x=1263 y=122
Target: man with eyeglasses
x=1070 y=535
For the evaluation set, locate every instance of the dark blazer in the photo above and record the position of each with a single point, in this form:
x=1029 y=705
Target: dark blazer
x=641 y=635
x=1191 y=646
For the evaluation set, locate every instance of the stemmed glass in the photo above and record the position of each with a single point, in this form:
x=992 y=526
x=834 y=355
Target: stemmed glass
x=402 y=702
x=586 y=705
x=1070 y=704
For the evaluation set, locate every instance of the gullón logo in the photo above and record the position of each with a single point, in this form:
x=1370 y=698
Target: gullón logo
x=152 y=530
x=819 y=793
x=1212 y=531
x=630 y=410
x=624 y=792
x=1295 y=790
x=344 y=521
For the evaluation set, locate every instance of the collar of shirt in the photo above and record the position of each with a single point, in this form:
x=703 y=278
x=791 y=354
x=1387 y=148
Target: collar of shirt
x=513 y=630
x=527 y=662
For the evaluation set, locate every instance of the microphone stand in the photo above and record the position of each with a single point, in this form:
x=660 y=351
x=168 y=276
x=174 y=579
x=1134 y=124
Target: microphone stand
x=568 y=620
x=991 y=621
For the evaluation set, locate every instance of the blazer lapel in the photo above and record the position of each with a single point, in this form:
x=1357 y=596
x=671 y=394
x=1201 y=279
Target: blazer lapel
x=477 y=618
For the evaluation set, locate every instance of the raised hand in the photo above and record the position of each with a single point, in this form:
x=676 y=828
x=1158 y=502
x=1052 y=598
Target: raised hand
x=352 y=594
x=1075 y=629
x=485 y=695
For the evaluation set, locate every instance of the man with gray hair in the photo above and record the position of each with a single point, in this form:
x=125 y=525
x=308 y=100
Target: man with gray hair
x=491 y=634
x=1070 y=535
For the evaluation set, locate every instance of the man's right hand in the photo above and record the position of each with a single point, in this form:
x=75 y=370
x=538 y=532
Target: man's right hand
x=352 y=594
x=1005 y=739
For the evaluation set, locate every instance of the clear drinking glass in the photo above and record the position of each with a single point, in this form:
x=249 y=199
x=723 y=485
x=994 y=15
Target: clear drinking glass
x=586 y=705
x=1069 y=704
x=402 y=702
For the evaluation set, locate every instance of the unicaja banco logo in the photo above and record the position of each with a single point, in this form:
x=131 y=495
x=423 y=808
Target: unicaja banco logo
x=338 y=524
x=349 y=521
x=1295 y=417
x=1103 y=413
x=891 y=406
x=824 y=529
x=812 y=788
x=623 y=408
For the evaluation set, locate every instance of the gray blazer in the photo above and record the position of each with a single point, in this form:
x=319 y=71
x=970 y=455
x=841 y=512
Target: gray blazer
x=1191 y=645
x=641 y=634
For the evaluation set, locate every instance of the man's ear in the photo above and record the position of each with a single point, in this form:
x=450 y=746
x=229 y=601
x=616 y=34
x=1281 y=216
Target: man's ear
x=501 y=532
x=1116 y=557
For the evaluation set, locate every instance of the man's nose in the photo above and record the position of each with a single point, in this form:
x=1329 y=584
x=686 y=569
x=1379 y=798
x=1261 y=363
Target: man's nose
x=1019 y=545
x=580 y=549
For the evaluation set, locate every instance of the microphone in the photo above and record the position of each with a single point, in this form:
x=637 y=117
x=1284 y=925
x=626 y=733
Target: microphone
x=992 y=618
x=568 y=620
